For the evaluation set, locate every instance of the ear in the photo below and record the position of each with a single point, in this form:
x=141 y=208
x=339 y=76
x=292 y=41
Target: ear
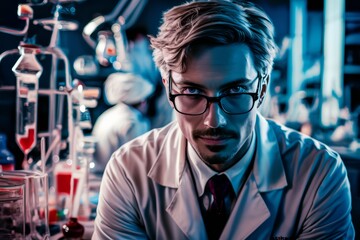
x=264 y=85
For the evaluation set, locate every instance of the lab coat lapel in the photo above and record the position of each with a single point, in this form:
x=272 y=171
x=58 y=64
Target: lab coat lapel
x=170 y=170
x=268 y=164
x=265 y=184
x=249 y=212
x=184 y=209
x=170 y=164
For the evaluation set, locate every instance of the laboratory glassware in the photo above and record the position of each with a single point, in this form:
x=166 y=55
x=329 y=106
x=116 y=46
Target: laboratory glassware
x=27 y=71
x=7 y=161
x=73 y=229
x=105 y=48
x=12 y=209
x=35 y=195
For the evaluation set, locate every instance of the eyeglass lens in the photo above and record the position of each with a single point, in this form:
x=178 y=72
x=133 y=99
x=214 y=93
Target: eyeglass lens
x=197 y=104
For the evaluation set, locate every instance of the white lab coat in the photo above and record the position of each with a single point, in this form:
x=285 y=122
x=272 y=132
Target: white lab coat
x=298 y=188
x=114 y=127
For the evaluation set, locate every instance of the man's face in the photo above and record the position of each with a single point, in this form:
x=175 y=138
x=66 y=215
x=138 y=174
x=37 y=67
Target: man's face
x=220 y=139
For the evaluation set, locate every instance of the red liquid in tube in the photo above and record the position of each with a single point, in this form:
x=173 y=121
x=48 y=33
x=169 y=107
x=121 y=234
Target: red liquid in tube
x=26 y=143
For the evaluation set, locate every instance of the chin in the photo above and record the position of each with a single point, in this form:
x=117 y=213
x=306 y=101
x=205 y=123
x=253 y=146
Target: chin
x=217 y=158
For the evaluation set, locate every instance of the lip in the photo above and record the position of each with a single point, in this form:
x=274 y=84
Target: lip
x=214 y=140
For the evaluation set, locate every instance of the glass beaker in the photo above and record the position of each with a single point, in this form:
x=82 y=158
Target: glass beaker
x=36 y=197
x=12 y=209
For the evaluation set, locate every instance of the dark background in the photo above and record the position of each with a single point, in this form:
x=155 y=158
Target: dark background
x=148 y=22
x=74 y=45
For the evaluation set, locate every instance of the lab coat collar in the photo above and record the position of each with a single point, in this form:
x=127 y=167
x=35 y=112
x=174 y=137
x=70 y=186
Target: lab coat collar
x=169 y=165
x=268 y=168
x=170 y=170
x=185 y=210
x=250 y=210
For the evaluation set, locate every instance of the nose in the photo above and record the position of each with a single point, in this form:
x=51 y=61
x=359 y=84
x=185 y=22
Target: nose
x=214 y=116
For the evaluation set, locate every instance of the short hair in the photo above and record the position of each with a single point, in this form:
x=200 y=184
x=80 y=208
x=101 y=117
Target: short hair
x=196 y=24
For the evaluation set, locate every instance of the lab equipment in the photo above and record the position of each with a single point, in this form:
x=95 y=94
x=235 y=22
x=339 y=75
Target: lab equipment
x=36 y=2
x=26 y=193
x=126 y=12
x=27 y=71
x=24 y=12
x=12 y=209
x=73 y=229
x=7 y=161
x=111 y=47
x=105 y=49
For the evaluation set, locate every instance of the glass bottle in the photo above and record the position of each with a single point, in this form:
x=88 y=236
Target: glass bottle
x=73 y=229
x=105 y=48
x=7 y=161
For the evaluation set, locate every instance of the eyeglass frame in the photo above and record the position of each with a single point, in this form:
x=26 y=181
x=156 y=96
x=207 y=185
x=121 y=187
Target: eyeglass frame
x=254 y=95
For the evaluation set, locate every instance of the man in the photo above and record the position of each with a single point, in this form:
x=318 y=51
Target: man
x=215 y=58
x=124 y=121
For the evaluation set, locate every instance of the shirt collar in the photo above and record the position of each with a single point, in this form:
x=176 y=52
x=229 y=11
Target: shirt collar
x=202 y=173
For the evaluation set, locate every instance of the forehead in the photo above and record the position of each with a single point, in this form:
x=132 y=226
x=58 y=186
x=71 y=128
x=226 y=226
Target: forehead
x=219 y=65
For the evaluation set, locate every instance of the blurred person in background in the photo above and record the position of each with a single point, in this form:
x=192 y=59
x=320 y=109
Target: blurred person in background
x=127 y=119
x=221 y=170
x=159 y=113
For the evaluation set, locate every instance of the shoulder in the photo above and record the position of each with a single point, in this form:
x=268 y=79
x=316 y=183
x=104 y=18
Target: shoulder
x=109 y=117
x=144 y=150
x=316 y=178
x=304 y=156
x=291 y=140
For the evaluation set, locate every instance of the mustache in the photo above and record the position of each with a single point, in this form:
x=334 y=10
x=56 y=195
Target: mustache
x=219 y=132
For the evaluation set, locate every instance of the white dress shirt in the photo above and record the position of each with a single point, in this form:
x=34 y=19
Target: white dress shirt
x=202 y=173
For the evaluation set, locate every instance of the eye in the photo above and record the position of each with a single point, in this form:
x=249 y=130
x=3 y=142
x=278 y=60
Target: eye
x=235 y=89
x=190 y=90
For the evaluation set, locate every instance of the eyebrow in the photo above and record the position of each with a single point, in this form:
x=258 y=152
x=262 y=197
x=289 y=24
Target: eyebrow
x=241 y=81
x=187 y=83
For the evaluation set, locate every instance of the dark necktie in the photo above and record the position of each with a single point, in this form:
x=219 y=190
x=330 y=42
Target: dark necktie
x=218 y=213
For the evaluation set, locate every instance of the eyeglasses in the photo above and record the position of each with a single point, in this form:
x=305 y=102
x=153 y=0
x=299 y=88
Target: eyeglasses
x=197 y=104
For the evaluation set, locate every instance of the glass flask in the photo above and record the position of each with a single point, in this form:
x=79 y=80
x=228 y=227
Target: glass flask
x=105 y=48
x=73 y=229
